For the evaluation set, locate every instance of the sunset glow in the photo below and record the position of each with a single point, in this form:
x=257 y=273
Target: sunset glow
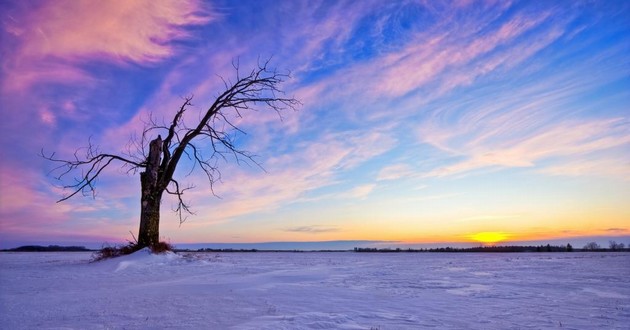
x=421 y=122
x=489 y=237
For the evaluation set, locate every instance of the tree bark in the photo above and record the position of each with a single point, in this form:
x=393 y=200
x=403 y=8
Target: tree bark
x=149 y=232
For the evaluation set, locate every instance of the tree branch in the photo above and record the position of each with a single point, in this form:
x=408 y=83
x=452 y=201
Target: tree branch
x=181 y=205
x=92 y=164
x=259 y=88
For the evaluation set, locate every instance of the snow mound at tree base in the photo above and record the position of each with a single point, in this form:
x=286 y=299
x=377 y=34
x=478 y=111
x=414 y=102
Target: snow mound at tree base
x=141 y=259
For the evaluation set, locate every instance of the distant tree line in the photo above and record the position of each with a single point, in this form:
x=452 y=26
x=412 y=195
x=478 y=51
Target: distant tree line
x=512 y=248
x=49 y=248
x=589 y=247
x=540 y=248
x=612 y=246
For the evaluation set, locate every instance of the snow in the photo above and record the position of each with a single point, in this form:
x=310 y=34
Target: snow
x=312 y=290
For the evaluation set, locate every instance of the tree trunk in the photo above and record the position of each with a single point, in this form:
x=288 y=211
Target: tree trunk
x=149 y=232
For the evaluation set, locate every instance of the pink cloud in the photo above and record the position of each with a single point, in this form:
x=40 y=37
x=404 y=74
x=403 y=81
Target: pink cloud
x=57 y=33
x=421 y=62
x=16 y=189
x=23 y=192
x=22 y=74
x=47 y=117
x=137 y=31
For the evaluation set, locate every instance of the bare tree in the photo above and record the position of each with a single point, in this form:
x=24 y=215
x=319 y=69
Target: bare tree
x=614 y=246
x=591 y=246
x=258 y=89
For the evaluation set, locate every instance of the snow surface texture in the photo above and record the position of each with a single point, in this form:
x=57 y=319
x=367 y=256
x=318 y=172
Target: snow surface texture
x=311 y=290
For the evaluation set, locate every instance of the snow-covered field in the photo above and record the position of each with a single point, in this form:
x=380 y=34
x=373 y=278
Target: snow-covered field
x=341 y=290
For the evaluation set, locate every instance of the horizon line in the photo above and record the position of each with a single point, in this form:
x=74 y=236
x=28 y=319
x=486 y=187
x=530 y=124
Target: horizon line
x=575 y=241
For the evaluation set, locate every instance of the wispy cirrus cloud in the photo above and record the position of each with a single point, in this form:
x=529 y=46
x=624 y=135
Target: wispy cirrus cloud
x=314 y=229
x=433 y=63
x=450 y=54
x=616 y=165
x=435 y=56
x=359 y=192
x=395 y=172
x=534 y=123
x=289 y=177
x=564 y=139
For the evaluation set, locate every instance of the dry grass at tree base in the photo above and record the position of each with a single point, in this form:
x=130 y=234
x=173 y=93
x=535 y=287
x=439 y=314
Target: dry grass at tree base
x=109 y=252
x=161 y=247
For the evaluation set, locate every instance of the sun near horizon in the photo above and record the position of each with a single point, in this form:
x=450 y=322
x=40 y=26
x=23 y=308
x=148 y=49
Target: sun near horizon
x=489 y=237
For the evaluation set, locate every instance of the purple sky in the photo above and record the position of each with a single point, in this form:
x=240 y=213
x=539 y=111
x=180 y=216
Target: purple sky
x=422 y=121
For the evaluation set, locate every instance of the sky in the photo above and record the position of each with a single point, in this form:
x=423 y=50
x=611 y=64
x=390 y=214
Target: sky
x=422 y=122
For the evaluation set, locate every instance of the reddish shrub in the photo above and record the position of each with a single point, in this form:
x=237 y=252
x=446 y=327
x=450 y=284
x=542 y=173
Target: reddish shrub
x=161 y=247
x=108 y=251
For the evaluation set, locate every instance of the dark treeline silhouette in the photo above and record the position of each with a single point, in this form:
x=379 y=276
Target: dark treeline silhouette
x=49 y=248
x=511 y=248
x=612 y=246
